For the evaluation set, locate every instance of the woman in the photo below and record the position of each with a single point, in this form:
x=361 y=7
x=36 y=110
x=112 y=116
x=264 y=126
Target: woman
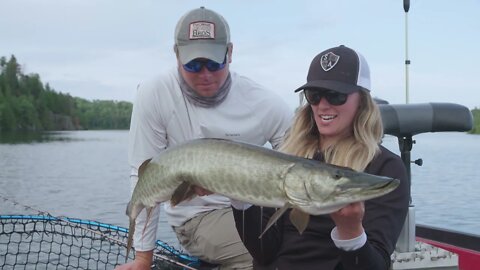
x=341 y=125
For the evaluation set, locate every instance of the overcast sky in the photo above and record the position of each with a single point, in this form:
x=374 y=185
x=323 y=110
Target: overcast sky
x=103 y=49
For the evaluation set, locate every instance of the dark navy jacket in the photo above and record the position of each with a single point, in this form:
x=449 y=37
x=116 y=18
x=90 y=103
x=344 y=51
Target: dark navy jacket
x=282 y=247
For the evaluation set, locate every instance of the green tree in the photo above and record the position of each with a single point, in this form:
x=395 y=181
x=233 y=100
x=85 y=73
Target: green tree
x=45 y=115
x=26 y=113
x=12 y=70
x=8 y=121
x=476 y=121
x=31 y=84
x=27 y=105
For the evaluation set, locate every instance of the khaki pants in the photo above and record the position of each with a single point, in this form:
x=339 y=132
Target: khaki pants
x=212 y=237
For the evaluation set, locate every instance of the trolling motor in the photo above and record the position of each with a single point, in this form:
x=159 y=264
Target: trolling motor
x=406 y=120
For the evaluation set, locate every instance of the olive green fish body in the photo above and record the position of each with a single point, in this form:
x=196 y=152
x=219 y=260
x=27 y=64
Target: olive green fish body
x=252 y=174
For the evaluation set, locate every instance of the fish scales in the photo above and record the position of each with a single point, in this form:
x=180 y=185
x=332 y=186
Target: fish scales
x=220 y=166
x=252 y=174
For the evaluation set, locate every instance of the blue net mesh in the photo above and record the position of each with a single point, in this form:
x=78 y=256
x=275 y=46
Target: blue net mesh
x=47 y=242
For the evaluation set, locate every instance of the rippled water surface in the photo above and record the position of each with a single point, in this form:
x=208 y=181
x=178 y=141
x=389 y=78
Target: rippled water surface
x=84 y=174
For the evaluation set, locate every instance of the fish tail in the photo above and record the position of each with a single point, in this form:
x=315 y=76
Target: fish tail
x=131 y=231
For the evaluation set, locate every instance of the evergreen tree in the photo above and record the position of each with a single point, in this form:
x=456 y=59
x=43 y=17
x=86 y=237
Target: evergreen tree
x=27 y=105
x=12 y=69
x=8 y=121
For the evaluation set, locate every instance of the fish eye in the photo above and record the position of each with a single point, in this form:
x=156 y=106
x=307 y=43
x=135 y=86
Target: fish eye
x=337 y=176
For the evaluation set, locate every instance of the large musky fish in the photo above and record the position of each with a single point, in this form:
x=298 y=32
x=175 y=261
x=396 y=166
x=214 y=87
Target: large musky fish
x=252 y=174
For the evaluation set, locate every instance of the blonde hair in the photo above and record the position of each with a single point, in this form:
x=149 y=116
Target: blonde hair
x=355 y=151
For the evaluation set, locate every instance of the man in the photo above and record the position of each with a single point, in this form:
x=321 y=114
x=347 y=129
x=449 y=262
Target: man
x=201 y=98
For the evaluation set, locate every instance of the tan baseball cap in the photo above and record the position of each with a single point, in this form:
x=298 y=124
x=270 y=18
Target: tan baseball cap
x=202 y=33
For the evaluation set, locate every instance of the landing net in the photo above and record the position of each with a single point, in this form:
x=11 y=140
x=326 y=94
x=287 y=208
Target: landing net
x=48 y=242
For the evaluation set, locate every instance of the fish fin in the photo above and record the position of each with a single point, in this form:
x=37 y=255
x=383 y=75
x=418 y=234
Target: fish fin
x=275 y=217
x=131 y=231
x=142 y=167
x=299 y=219
x=182 y=193
x=149 y=215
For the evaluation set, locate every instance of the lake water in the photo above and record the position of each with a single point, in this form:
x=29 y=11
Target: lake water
x=84 y=174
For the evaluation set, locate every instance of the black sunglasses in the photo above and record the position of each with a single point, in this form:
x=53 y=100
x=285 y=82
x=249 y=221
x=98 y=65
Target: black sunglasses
x=196 y=65
x=314 y=96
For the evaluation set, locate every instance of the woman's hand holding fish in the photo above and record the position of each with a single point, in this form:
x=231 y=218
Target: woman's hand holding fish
x=349 y=220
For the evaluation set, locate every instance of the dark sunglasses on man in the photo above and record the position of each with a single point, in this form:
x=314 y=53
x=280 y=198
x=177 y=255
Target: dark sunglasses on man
x=196 y=65
x=313 y=96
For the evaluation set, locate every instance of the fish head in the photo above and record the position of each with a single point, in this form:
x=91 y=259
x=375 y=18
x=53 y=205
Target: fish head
x=329 y=188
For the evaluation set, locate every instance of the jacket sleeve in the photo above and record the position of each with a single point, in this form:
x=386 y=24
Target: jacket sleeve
x=250 y=224
x=147 y=138
x=383 y=220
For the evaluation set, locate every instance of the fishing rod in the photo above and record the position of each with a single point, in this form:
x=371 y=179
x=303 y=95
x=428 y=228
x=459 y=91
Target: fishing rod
x=406 y=8
x=406 y=241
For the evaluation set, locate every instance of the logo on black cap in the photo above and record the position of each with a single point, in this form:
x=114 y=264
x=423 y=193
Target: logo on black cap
x=328 y=61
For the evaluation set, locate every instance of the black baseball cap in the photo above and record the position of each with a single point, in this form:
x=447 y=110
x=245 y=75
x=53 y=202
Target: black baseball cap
x=339 y=69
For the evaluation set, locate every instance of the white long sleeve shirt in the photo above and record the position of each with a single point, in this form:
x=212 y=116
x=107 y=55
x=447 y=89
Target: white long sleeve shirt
x=162 y=117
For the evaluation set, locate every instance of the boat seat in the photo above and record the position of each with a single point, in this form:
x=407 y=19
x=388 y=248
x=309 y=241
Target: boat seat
x=406 y=120
x=403 y=120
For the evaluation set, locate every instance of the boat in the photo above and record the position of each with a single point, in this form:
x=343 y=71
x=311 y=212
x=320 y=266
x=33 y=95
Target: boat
x=44 y=241
x=421 y=246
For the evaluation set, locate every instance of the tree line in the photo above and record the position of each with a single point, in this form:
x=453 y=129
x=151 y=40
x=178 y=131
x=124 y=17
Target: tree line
x=476 y=121
x=26 y=104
